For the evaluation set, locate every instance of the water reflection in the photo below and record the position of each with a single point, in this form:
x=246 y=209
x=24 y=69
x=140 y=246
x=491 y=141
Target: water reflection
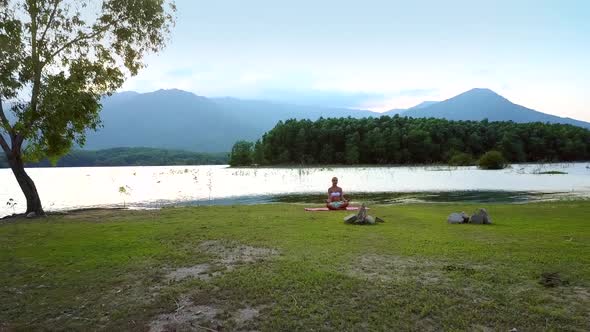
x=68 y=188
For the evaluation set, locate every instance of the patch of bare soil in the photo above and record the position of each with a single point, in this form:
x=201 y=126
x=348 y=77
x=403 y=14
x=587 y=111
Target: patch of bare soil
x=230 y=254
x=396 y=268
x=205 y=315
x=201 y=271
x=191 y=317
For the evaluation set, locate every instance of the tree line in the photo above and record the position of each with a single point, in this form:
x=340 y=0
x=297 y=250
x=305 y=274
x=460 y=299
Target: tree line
x=403 y=140
x=131 y=157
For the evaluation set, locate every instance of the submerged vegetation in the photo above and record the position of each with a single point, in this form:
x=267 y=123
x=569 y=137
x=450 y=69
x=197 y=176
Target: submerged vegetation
x=492 y=160
x=276 y=267
x=401 y=140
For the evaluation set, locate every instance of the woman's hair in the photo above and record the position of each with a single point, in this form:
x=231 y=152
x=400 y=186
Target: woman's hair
x=334 y=178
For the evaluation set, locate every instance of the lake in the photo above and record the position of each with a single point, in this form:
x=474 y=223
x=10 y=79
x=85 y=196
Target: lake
x=145 y=187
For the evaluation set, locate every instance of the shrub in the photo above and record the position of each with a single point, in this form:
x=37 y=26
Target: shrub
x=241 y=154
x=492 y=160
x=461 y=159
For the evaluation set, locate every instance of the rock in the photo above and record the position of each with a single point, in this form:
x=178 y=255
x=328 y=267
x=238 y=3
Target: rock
x=481 y=216
x=351 y=218
x=31 y=215
x=455 y=218
x=465 y=217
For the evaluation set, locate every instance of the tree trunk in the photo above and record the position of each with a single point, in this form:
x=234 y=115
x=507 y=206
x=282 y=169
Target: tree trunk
x=27 y=186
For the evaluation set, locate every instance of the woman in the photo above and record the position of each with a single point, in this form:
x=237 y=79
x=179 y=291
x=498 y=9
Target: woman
x=336 y=200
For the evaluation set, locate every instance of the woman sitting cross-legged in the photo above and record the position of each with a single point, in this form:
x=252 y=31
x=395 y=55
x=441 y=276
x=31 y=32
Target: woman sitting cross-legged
x=336 y=200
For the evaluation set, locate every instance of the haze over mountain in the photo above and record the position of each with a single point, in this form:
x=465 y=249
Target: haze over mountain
x=178 y=119
x=479 y=104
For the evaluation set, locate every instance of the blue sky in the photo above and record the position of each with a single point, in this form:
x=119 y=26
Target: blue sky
x=379 y=55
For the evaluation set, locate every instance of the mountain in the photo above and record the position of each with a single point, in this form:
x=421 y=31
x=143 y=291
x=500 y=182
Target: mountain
x=479 y=104
x=401 y=111
x=176 y=119
x=423 y=105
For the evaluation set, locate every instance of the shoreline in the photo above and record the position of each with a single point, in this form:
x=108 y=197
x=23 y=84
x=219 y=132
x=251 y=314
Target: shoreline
x=471 y=197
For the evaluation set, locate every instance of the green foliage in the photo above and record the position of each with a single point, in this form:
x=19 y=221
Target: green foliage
x=69 y=60
x=492 y=160
x=400 y=140
x=241 y=154
x=461 y=159
x=65 y=55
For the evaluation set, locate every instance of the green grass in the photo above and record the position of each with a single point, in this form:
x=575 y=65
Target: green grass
x=106 y=269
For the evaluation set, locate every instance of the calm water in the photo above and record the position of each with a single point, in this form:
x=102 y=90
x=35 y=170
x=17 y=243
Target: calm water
x=68 y=188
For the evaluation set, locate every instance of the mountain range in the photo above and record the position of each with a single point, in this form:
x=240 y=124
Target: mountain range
x=176 y=119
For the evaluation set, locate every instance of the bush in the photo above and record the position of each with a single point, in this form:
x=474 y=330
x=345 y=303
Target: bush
x=461 y=159
x=241 y=154
x=492 y=160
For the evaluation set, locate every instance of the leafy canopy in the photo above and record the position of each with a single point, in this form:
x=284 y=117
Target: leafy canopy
x=59 y=57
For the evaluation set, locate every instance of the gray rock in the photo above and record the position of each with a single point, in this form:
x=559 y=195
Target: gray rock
x=351 y=218
x=481 y=216
x=455 y=218
x=31 y=215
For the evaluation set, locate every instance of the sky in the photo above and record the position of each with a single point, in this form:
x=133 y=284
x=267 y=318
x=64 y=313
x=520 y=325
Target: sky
x=378 y=55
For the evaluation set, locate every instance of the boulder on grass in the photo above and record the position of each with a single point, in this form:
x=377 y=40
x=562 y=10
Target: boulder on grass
x=481 y=216
x=362 y=218
x=455 y=218
x=351 y=218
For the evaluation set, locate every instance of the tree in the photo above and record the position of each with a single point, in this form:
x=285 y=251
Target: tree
x=492 y=160
x=241 y=154
x=63 y=63
x=352 y=148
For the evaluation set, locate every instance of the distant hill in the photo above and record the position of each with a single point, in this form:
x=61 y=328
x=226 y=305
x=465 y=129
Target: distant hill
x=175 y=119
x=130 y=157
x=479 y=104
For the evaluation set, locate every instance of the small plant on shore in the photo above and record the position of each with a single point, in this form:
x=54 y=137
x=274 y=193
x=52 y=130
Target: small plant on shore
x=11 y=204
x=210 y=183
x=124 y=191
x=492 y=160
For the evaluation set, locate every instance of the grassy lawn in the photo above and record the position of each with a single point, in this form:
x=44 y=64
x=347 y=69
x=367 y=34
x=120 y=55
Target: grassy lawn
x=276 y=267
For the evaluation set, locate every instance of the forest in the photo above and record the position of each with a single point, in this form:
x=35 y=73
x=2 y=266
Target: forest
x=403 y=140
x=131 y=157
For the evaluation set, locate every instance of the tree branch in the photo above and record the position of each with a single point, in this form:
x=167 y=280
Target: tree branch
x=76 y=40
x=51 y=17
x=5 y=123
x=4 y=145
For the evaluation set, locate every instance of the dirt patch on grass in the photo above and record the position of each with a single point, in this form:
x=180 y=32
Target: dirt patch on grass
x=189 y=316
x=230 y=254
x=396 y=268
x=200 y=271
x=402 y=269
x=227 y=256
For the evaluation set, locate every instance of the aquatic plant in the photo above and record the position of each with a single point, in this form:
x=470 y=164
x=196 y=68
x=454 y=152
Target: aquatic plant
x=492 y=160
x=11 y=203
x=124 y=191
